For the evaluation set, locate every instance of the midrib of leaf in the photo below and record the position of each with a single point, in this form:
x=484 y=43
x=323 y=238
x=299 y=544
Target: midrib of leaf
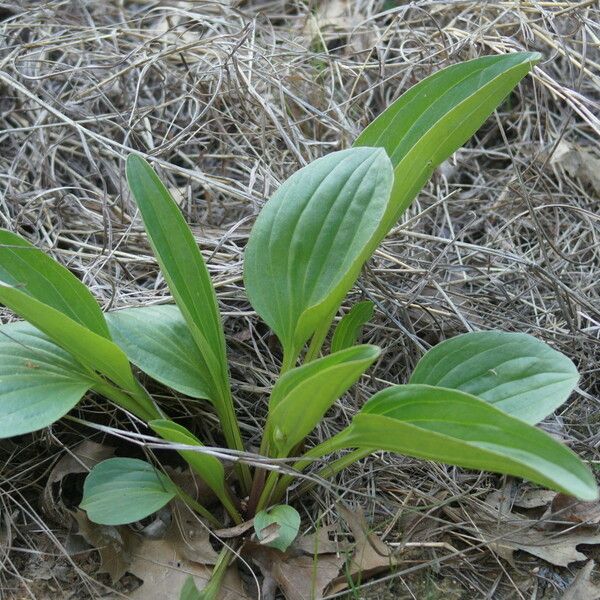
x=214 y=366
x=416 y=125
x=537 y=386
x=293 y=306
x=345 y=219
x=168 y=345
x=497 y=461
x=400 y=198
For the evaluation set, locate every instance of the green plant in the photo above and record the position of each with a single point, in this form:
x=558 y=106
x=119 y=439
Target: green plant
x=472 y=401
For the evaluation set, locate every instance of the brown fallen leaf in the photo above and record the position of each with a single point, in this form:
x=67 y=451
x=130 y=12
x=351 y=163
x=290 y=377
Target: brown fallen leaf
x=63 y=490
x=318 y=543
x=164 y=571
x=578 y=162
x=505 y=499
x=190 y=536
x=371 y=555
x=567 y=508
x=115 y=545
x=534 y=498
x=583 y=588
x=298 y=575
x=508 y=533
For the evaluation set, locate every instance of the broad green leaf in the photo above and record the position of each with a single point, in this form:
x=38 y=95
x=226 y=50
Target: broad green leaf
x=157 y=340
x=307 y=246
x=435 y=117
x=208 y=467
x=303 y=395
x=27 y=268
x=90 y=349
x=277 y=526
x=457 y=428
x=183 y=268
x=348 y=330
x=124 y=490
x=517 y=373
x=39 y=382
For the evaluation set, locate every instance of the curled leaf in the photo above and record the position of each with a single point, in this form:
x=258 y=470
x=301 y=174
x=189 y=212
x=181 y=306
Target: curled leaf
x=277 y=527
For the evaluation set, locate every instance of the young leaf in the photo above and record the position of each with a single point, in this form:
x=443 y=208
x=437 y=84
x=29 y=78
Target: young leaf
x=307 y=246
x=438 y=115
x=208 y=467
x=348 y=330
x=88 y=348
x=459 y=429
x=277 y=527
x=303 y=395
x=184 y=270
x=27 y=268
x=157 y=340
x=124 y=490
x=39 y=382
x=517 y=373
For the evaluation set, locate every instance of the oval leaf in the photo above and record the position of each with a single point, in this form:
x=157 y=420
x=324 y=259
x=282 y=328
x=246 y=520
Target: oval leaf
x=517 y=373
x=39 y=382
x=459 y=429
x=307 y=246
x=435 y=117
x=303 y=395
x=124 y=490
x=156 y=339
x=27 y=268
x=348 y=330
x=277 y=527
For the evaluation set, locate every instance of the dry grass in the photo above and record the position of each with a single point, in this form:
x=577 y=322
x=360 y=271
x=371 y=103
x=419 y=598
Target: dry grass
x=230 y=98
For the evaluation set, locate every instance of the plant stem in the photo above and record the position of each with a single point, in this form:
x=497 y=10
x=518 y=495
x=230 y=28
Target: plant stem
x=326 y=447
x=230 y=507
x=289 y=361
x=211 y=590
x=265 y=497
x=316 y=343
x=326 y=473
x=199 y=508
x=233 y=437
x=124 y=400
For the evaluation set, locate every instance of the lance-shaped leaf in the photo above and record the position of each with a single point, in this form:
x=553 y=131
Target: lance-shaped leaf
x=303 y=395
x=208 y=467
x=308 y=244
x=438 y=115
x=348 y=330
x=39 y=382
x=453 y=427
x=27 y=268
x=124 y=490
x=157 y=340
x=517 y=373
x=183 y=268
x=88 y=348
